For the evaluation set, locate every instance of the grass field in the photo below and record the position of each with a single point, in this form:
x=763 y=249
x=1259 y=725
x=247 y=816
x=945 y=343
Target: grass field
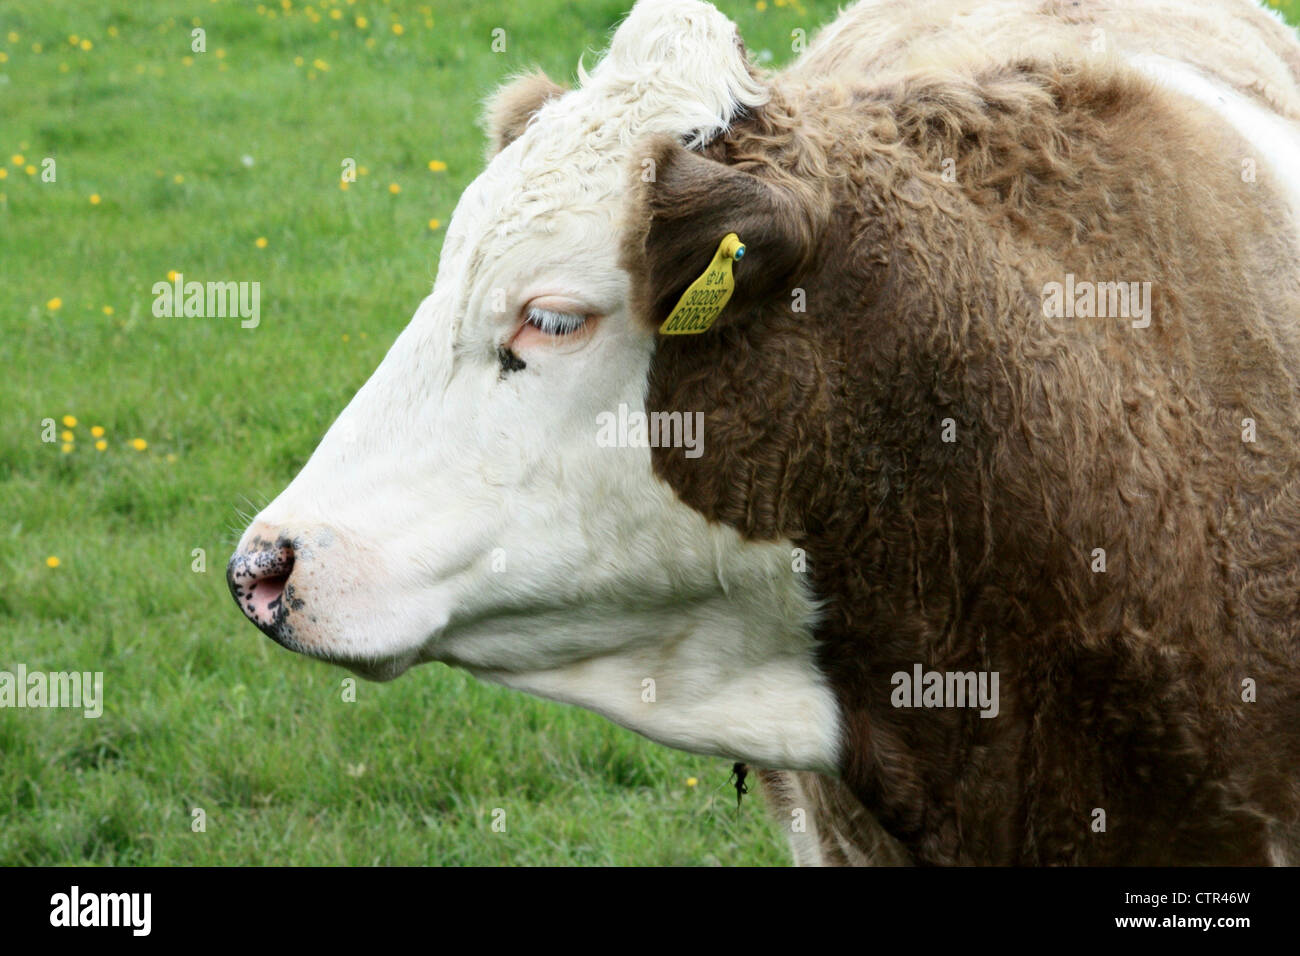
x=225 y=164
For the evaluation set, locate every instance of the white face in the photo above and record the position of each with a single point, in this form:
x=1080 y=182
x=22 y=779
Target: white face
x=461 y=508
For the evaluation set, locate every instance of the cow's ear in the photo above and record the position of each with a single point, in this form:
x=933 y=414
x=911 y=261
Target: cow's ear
x=511 y=107
x=682 y=205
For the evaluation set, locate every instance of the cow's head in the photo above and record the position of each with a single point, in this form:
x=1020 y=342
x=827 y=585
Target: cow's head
x=472 y=505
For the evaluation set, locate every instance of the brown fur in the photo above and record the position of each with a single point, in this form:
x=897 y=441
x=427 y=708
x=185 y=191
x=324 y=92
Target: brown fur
x=1120 y=690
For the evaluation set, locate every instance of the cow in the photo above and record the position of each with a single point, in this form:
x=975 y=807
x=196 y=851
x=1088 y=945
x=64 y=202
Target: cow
x=985 y=549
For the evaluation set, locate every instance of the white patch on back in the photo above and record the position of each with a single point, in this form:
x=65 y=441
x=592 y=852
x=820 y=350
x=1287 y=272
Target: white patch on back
x=1276 y=139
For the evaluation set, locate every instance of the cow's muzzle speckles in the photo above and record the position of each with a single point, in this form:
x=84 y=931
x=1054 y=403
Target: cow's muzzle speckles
x=259 y=576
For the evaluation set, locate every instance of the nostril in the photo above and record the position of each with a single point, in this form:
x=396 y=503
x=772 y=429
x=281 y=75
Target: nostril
x=268 y=592
x=258 y=580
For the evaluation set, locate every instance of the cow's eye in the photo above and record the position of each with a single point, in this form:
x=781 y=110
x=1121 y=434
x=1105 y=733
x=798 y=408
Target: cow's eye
x=553 y=322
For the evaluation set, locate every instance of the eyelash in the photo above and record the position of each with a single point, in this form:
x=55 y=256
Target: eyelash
x=551 y=322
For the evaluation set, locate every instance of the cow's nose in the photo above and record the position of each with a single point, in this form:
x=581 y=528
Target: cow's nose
x=257 y=576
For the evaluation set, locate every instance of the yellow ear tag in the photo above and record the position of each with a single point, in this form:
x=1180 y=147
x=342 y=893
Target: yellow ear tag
x=704 y=299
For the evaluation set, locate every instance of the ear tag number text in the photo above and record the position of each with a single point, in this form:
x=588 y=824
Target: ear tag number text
x=705 y=298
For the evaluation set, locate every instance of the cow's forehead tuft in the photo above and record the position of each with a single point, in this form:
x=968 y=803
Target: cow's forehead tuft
x=674 y=68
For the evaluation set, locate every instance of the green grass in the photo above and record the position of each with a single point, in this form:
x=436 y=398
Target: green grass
x=201 y=711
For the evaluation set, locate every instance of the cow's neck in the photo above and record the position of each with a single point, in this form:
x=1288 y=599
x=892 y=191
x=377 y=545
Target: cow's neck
x=732 y=675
